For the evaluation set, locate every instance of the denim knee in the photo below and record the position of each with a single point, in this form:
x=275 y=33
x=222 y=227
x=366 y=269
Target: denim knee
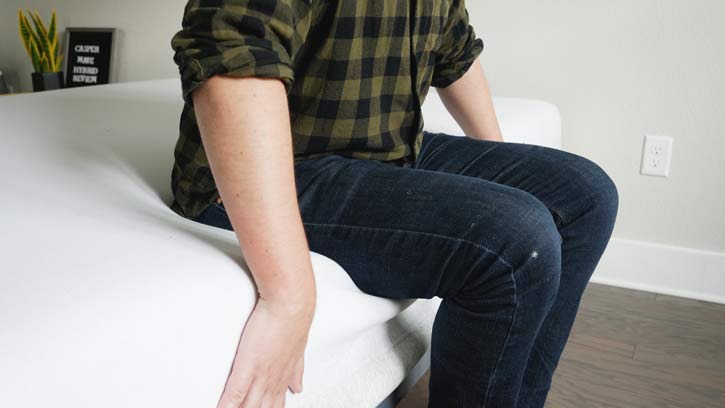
x=529 y=246
x=538 y=258
x=608 y=196
x=599 y=187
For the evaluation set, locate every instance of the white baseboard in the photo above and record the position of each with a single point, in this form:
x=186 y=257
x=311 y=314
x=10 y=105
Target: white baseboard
x=671 y=270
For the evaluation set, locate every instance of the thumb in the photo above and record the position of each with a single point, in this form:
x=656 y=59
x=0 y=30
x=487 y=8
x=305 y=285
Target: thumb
x=295 y=383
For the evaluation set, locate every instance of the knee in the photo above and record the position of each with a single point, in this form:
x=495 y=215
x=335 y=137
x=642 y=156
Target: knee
x=604 y=190
x=528 y=241
x=521 y=231
x=539 y=247
x=598 y=186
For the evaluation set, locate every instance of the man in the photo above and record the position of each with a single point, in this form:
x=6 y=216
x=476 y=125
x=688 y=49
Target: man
x=302 y=131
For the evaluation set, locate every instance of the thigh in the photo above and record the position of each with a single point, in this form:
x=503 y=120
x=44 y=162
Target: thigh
x=404 y=232
x=566 y=183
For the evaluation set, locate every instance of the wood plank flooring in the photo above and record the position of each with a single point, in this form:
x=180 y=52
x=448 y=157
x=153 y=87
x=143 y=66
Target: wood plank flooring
x=634 y=349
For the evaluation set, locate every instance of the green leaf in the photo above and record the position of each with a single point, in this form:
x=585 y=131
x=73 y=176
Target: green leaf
x=40 y=27
x=48 y=54
x=35 y=55
x=52 y=34
x=58 y=63
x=24 y=31
x=42 y=34
x=40 y=42
x=33 y=35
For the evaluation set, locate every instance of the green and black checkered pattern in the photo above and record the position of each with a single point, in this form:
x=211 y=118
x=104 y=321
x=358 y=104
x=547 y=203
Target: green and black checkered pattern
x=356 y=73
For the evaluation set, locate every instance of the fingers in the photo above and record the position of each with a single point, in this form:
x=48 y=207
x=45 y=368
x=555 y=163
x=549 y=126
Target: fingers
x=235 y=391
x=273 y=397
x=280 y=401
x=247 y=391
x=295 y=382
x=270 y=356
x=254 y=397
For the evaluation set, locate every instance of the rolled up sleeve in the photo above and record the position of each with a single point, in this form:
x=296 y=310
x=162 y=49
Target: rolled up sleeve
x=459 y=47
x=243 y=38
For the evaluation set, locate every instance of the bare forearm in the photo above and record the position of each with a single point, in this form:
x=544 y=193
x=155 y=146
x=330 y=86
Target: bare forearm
x=245 y=128
x=470 y=103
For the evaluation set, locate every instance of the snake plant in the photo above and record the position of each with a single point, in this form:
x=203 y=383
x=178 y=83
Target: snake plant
x=41 y=42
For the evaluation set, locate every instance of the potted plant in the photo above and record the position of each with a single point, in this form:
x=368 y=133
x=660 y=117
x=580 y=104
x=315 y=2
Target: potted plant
x=41 y=44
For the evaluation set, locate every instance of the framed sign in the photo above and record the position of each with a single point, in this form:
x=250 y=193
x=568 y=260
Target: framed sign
x=89 y=52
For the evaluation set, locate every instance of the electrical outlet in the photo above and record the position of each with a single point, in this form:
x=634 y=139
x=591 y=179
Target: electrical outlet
x=656 y=155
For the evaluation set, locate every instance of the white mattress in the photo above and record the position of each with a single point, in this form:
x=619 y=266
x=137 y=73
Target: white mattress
x=522 y=120
x=107 y=295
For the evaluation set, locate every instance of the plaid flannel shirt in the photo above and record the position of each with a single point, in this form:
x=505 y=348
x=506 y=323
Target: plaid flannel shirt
x=356 y=73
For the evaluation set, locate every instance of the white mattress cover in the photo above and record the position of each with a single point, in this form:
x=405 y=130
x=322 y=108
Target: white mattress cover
x=109 y=298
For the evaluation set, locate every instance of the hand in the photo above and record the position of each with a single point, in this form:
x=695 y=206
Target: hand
x=270 y=356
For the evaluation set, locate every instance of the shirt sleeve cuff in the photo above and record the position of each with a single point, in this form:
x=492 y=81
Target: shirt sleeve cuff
x=447 y=74
x=246 y=63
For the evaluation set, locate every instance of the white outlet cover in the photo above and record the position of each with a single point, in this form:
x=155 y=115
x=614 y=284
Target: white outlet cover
x=656 y=155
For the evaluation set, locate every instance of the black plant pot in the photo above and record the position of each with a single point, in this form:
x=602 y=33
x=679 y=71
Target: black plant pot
x=47 y=81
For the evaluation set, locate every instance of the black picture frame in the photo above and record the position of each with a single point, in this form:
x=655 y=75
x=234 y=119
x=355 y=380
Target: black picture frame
x=89 y=56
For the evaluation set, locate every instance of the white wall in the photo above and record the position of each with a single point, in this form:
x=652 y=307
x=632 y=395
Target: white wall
x=616 y=69
x=144 y=32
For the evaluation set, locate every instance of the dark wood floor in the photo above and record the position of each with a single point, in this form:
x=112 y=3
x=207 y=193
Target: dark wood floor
x=634 y=349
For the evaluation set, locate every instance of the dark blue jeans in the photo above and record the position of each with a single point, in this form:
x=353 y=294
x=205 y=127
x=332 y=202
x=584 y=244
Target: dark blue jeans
x=507 y=234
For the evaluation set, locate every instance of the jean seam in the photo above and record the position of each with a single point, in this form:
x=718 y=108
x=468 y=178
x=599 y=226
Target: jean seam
x=540 y=281
x=431 y=234
x=506 y=341
x=475 y=244
x=508 y=335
